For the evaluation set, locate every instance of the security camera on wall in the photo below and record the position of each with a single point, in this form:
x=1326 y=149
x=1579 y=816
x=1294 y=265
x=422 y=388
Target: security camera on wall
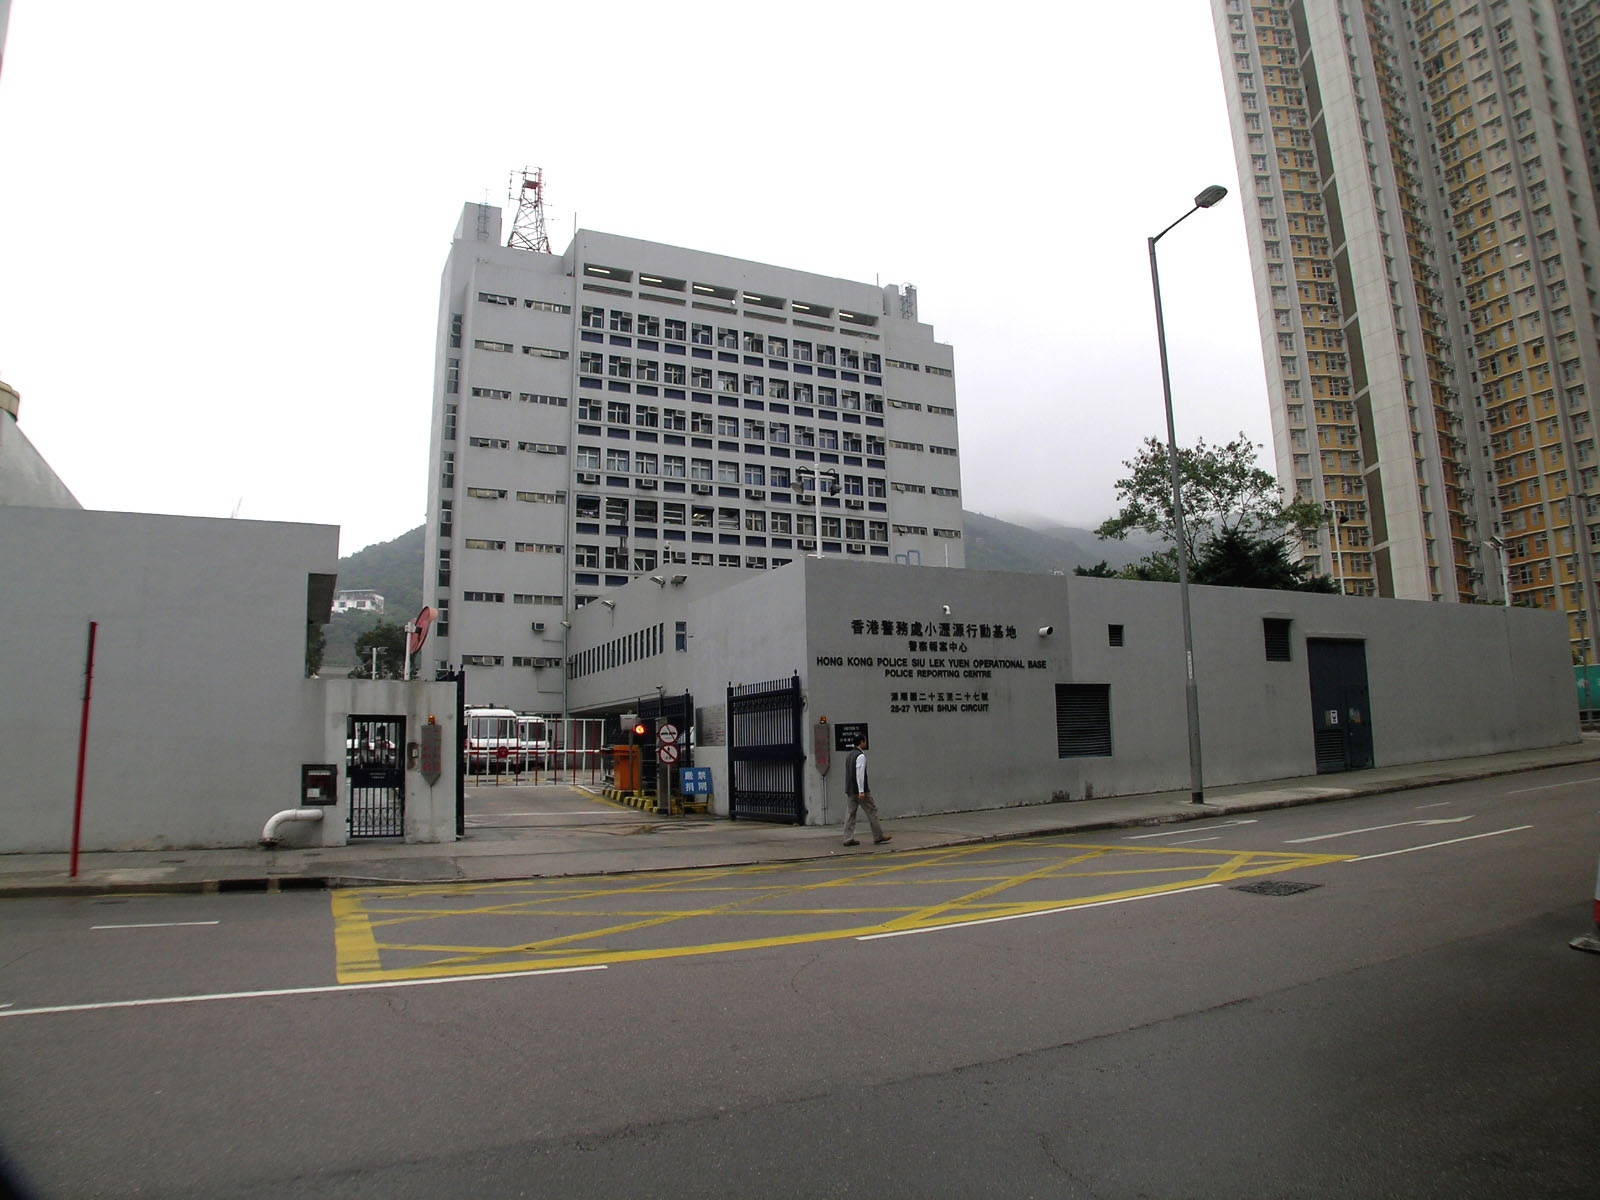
x=1046 y=630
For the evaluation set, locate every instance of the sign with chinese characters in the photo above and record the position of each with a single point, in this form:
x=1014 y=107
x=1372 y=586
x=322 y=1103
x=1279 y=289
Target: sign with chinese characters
x=432 y=752
x=937 y=666
x=695 y=781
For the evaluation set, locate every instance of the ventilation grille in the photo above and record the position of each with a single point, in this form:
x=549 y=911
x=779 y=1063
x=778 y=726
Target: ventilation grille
x=1275 y=632
x=1083 y=720
x=1330 y=749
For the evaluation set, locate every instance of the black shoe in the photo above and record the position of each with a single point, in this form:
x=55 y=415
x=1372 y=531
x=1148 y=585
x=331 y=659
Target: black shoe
x=880 y=841
x=851 y=842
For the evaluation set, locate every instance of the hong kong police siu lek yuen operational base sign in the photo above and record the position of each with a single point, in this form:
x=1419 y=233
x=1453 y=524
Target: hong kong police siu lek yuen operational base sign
x=937 y=666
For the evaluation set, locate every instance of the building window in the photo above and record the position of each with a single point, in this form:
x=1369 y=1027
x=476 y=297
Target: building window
x=1114 y=635
x=1083 y=720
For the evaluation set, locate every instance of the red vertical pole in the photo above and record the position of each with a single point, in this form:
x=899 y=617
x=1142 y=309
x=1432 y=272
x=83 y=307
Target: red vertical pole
x=83 y=746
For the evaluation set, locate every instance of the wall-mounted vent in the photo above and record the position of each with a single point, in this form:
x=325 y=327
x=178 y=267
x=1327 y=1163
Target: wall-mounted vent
x=1083 y=720
x=1275 y=633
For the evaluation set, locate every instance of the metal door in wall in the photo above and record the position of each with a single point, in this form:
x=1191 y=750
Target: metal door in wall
x=1340 y=718
x=765 y=754
x=375 y=765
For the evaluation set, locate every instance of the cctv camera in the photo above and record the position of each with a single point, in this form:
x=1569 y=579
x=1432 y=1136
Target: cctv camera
x=1046 y=630
x=946 y=608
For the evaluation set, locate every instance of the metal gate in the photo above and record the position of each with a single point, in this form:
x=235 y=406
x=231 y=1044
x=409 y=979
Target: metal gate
x=374 y=746
x=765 y=753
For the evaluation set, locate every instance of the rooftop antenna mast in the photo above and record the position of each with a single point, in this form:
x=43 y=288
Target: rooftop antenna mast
x=527 y=228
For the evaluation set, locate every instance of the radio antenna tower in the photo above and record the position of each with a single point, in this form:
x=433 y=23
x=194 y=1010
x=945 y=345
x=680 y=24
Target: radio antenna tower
x=527 y=227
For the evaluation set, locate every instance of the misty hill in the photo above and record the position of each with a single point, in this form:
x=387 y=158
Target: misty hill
x=996 y=545
x=394 y=569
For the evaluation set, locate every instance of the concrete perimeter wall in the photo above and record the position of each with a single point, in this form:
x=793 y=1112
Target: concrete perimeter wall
x=964 y=716
x=201 y=713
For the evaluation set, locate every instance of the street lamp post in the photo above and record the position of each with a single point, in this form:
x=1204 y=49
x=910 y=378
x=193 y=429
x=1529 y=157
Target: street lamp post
x=1335 y=525
x=1503 y=552
x=1191 y=693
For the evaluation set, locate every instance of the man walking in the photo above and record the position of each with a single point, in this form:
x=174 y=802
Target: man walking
x=859 y=790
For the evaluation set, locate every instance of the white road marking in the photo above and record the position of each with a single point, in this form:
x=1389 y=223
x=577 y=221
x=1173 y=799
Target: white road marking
x=1193 y=841
x=155 y=1002
x=157 y=925
x=1435 y=804
x=1134 y=837
x=1324 y=837
x=1548 y=786
x=1435 y=845
x=1043 y=912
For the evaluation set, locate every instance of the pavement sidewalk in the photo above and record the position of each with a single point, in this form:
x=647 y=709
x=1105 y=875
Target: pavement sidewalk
x=668 y=843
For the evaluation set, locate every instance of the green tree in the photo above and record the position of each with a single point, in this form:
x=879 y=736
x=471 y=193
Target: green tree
x=316 y=642
x=1234 y=559
x=389 y=640
x=1101 y=570
x=1223 y=490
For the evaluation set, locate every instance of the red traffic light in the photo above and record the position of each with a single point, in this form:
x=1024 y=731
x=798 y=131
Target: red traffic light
x=640 y=729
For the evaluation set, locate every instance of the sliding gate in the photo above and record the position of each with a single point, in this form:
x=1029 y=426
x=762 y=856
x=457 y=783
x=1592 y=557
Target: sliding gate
x=765 y=752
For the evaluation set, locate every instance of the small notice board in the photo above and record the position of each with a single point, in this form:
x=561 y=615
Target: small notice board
x=847 y=733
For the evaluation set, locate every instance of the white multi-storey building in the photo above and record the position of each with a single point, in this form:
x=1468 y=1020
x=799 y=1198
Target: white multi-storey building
x=627 y=409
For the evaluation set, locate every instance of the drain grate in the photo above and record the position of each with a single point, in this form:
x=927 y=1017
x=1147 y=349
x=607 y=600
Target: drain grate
x=1276 y=887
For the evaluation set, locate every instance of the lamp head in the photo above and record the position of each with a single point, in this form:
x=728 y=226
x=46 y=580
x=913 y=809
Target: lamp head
x=1210 y=196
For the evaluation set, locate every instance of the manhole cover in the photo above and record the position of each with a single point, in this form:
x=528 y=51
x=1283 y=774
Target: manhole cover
x=1275 y=887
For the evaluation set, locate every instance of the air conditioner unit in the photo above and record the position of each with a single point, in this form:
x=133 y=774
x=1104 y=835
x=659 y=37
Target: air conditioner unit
x=855 y=503
x=857 y=548
x=646 y=484
x=537 y=626
x=588 y=477
x=754 y=494
x=702 y=489
x=807 y=543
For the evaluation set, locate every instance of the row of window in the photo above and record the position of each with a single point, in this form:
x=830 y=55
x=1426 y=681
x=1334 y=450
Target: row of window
x=508 y=348
x=621 y=413
x=620 y=651
x=673 y=329
x=511 y=302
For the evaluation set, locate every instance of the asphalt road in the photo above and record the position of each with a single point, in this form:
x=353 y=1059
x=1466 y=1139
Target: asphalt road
x=1105 y=1016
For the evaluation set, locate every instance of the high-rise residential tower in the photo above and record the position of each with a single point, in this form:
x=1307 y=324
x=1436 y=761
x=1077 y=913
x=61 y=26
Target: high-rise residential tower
x=1423 y=235
x=627 y=408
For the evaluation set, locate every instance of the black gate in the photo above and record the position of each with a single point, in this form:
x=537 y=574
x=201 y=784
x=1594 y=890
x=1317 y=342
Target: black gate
x=765 y=752
x=1341 y=721
x=374 y=746
x=677 y=711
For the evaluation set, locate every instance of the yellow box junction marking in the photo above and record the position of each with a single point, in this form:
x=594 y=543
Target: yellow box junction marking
x=383 y=933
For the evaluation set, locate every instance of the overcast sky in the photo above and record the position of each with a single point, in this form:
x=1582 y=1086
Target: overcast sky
x=222 y=226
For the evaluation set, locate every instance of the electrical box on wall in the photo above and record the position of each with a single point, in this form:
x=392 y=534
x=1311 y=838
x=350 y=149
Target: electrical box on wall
x=319 y=784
